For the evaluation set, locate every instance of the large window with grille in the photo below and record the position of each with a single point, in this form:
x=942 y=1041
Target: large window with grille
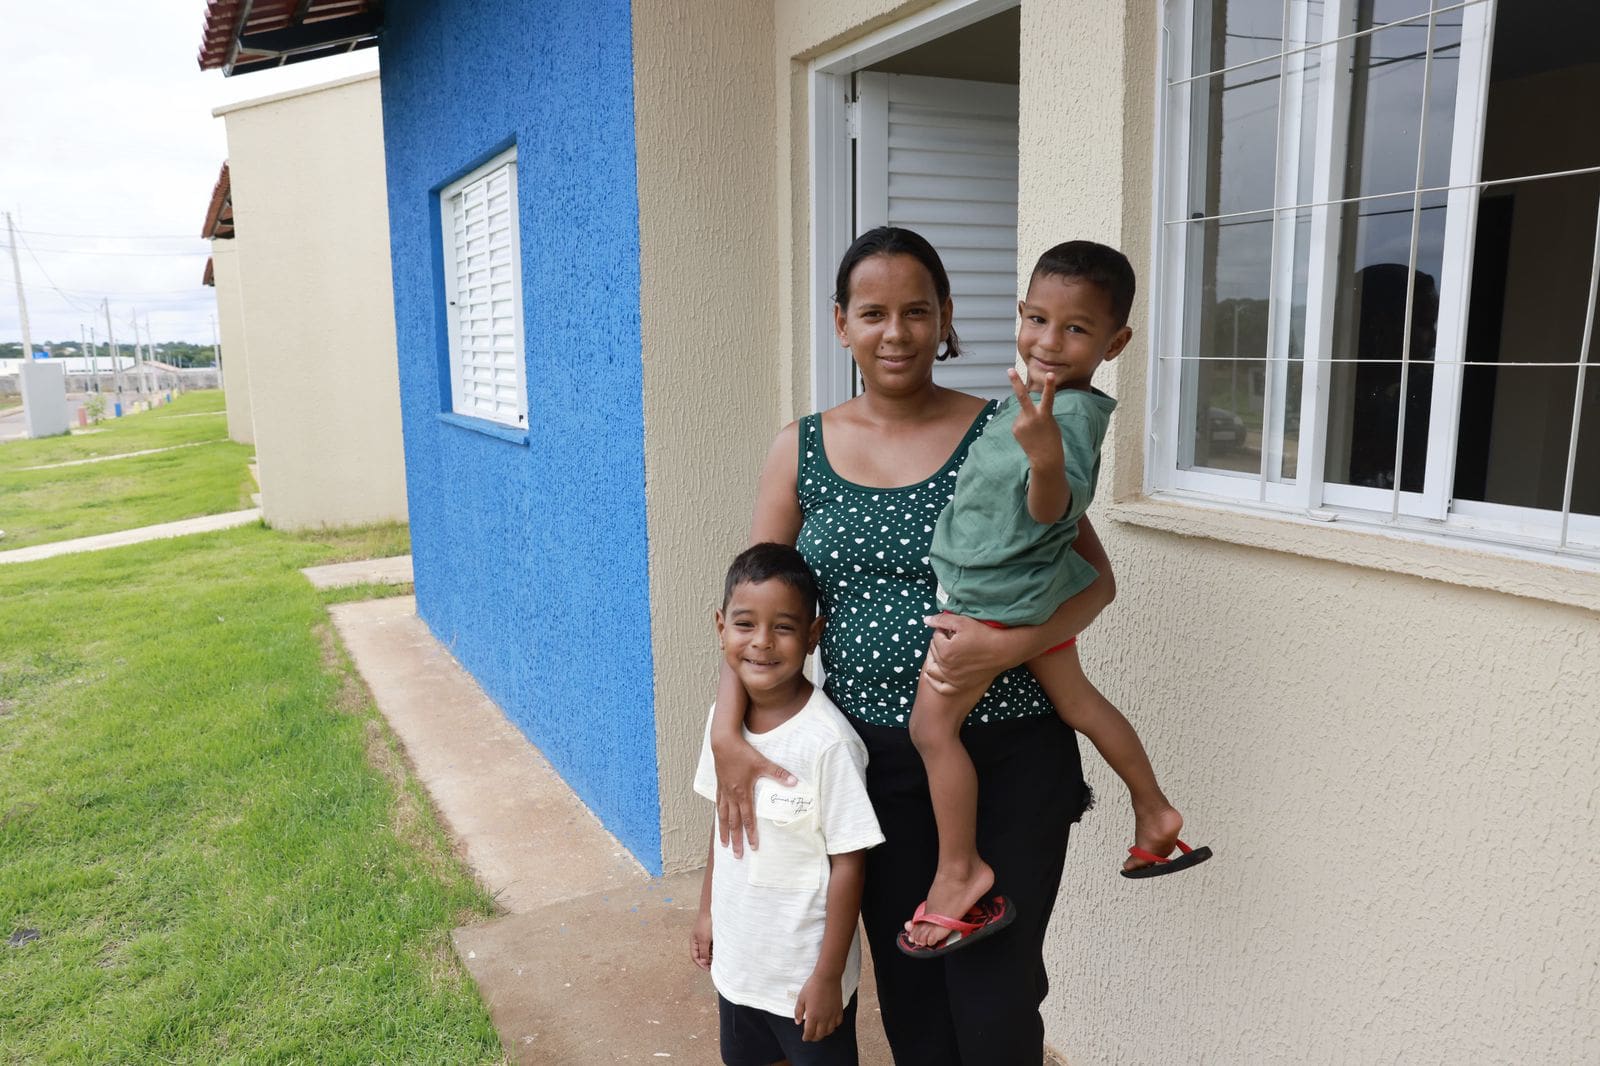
x=483 y=293
x=1377 y=253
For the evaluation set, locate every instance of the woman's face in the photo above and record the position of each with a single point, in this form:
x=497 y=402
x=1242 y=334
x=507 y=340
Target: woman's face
x=894 y=323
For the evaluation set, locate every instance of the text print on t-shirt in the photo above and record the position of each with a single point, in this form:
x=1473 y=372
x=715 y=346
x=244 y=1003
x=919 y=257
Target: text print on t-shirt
x=792 y=852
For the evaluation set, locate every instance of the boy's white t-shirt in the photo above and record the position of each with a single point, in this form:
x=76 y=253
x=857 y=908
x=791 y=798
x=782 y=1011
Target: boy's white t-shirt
x=769 y=906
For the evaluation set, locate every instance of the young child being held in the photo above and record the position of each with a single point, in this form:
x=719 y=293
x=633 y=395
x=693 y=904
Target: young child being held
x=782 y=919
x=1002 y=552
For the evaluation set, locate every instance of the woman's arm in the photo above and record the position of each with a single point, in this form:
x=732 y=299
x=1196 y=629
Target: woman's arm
x=777 y=518
x=965 y=651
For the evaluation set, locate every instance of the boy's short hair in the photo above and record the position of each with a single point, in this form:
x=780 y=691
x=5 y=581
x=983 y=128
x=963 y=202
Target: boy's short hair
x=769 y=562
x=1097 y=264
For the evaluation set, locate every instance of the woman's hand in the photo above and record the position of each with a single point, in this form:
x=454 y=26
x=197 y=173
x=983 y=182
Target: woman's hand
x=965 y=654
x=738 y=766
x=964 y=651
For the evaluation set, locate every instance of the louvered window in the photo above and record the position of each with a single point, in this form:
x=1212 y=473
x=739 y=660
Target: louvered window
x=483 y=289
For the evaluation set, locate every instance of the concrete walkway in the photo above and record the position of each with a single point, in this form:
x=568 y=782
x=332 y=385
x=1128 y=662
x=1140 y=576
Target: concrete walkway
x=392 y=571
x=123 y=455
x=590 y=964
x=122 y=538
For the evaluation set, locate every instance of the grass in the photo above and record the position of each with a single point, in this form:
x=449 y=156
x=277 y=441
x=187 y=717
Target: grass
x=43 y=506
x=208 y=824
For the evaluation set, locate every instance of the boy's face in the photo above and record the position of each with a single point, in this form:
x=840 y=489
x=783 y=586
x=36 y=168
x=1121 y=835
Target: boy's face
x=1068 y=330
x=766 y=634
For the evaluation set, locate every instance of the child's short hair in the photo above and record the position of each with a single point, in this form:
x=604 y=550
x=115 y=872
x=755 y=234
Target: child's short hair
x=768 y=562
x=1098 y=265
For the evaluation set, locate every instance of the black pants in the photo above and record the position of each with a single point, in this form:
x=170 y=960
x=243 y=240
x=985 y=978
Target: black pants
x=978 y=1006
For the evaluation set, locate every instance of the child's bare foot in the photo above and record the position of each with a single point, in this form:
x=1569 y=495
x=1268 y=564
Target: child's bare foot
x=1155 y=830
x=954 y=892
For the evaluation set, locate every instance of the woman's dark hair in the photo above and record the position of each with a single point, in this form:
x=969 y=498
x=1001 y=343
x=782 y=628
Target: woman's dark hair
x=892 y=240
x=768 y=562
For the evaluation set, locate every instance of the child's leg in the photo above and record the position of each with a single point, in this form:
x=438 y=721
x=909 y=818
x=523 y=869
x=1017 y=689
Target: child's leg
x=962 y=877
x=1157 y=822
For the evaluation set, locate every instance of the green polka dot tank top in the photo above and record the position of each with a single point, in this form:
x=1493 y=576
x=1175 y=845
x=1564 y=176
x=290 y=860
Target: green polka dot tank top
x=869 y=550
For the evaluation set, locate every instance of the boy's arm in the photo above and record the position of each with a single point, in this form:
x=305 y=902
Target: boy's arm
x=1049 y=495
x=820 y=1006
x=700 y=938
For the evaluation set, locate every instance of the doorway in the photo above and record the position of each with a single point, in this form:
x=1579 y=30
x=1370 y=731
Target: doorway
x=917 y=126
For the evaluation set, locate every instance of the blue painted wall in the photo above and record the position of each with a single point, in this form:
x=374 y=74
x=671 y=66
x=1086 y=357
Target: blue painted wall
x=531 y=559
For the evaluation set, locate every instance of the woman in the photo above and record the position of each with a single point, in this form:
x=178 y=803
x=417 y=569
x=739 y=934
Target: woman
x=857 y=489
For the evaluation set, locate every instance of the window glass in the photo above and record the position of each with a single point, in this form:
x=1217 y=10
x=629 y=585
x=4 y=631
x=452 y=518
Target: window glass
x=1369 y=341
x=1234 y=139
x=1230 y=281
x=1295 y=225
x=1386 y=108
x=1231 y=32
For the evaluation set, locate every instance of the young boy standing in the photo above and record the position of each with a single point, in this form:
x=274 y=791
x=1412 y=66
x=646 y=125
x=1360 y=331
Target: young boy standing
x=1002 y=553
x=782 y=919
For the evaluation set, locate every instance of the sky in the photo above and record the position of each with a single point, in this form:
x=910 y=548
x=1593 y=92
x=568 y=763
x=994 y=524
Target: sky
x=108 y=154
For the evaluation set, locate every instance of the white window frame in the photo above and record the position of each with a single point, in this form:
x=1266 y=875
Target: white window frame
x=515 y=411
x=1432 y=510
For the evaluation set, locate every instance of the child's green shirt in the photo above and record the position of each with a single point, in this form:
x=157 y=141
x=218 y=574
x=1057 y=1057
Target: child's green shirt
x=993 y=561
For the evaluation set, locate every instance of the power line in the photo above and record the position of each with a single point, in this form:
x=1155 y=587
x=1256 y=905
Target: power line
x=97 y=293
x=51 y=281
x=114 y=236
x=146 y=255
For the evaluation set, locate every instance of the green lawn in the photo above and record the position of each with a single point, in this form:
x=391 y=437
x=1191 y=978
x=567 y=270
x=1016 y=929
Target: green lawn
x=208 y=825
x=41 y=506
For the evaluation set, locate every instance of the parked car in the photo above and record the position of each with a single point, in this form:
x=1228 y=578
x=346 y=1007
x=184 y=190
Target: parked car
x=1224 y=427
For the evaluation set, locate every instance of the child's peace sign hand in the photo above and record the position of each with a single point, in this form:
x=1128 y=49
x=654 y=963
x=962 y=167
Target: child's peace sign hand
x=1035 y=427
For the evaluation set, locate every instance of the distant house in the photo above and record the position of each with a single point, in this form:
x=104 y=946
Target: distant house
x=300 y=261
x=1352 y=491
x=222 y=274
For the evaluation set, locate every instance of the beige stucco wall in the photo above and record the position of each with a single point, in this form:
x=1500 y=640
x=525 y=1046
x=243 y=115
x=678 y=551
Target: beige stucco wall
x=1395 y=761
x=1393 y=769
x=708 y=259
x=312 y=214
x=235 y=349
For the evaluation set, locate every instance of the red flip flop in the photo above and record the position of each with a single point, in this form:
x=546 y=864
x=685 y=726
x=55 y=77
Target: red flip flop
x=1160 y=866
x=984 y=920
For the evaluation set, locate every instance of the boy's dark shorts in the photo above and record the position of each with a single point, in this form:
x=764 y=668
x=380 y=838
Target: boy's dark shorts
x=752 y=1037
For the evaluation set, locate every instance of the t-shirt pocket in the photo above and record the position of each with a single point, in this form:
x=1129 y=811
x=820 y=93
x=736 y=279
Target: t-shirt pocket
x=791 y=853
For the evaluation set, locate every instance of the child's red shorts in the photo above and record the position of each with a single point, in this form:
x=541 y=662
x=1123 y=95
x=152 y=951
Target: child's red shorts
x=1069 y=642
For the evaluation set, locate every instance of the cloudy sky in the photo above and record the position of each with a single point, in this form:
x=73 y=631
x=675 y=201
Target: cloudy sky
x=108 y=153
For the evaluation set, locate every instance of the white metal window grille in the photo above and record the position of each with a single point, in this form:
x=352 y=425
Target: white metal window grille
x=1378 y=249
x=939 y=156
x=483 y=291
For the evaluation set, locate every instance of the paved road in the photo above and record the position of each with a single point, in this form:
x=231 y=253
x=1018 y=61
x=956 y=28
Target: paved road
x=12 y=426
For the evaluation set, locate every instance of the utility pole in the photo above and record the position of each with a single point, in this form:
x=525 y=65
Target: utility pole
x=94 y=359
x=216 y=350
x=139 y=370
x=22 y=301
x=111 y=346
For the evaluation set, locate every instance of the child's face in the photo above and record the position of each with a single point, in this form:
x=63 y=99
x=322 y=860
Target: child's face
x=1068 y=330
x=766 y=634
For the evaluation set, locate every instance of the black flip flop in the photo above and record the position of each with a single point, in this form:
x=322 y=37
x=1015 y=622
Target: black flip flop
x=1160 y=867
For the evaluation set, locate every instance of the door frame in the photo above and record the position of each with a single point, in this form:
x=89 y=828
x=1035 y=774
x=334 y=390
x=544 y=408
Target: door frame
x=831 y=190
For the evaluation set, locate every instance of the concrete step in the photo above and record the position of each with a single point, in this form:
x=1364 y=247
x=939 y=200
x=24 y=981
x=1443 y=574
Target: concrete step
x=392 y=571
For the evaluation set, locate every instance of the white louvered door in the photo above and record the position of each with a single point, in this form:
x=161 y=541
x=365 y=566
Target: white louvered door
x=939 y=156
x=482 y=286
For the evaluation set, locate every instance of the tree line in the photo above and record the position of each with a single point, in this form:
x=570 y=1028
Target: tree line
x=175 y=353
